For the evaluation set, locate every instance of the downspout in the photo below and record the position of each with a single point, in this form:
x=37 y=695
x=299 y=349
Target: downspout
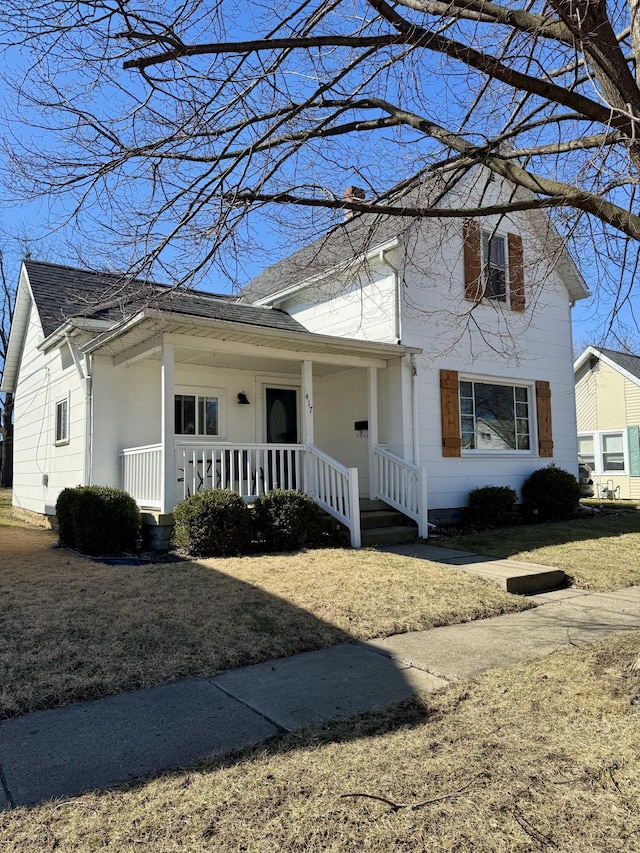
x=414 y=409
x=86 y=378
x=396 y=290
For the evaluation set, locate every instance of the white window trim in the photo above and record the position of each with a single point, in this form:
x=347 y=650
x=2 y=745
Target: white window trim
x=492 y=234
x=533 y=416
x=203 y=391
x=59 y=442
x=598 y=450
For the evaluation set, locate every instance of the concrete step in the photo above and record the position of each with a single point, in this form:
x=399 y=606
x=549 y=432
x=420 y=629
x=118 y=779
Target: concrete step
x=381 y=518
x=396 y=535
x=368 y=505
x=512 y=575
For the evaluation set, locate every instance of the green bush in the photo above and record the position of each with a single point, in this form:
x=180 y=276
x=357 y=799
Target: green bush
x=550 y=494
x=213 y=523
x=98 y=520
x=492 y=506
x=289 y=521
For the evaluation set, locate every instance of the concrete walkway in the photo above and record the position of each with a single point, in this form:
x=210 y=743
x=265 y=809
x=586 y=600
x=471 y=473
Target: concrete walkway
x=511 y=575
x=60 y=753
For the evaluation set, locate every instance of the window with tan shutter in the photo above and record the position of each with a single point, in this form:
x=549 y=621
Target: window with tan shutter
x=449 y=406
x=493 y=266
x=543 y=409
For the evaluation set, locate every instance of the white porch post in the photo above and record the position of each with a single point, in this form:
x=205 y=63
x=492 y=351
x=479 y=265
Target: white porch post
x=167 y=438
x=307 y=422
x=373 y=429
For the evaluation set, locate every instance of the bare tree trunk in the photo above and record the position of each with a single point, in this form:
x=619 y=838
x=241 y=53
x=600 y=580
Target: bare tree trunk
x=6 y=431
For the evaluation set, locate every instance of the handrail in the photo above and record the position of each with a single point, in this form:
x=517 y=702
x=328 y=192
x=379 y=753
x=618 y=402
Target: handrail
x=402 y=485
x=335 y=488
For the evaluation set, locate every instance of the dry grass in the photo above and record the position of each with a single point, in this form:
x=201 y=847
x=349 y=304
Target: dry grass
x=74 y=629
x=598 y=553
x=6 y=519
x=555 y=741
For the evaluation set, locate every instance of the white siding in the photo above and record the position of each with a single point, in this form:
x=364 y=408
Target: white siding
x=42 y=469
x=362 y=306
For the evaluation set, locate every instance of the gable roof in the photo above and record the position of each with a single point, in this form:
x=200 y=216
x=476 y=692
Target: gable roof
x=625 y=363
x=351 y=239
x=365 y=234
x=62 y=293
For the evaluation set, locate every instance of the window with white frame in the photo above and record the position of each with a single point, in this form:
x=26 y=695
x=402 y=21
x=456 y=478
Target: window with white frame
x=605 y=451
x=197 y=414
x=494 y=265
x=62 y=421
x=494 y=417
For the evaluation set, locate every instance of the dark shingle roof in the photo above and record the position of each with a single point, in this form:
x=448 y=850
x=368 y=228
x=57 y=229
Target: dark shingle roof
x=62 y=292
x=350 y=238
x=630 y=363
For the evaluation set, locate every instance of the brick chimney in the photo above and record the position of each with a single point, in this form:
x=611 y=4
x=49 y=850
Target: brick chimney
x=352 y=194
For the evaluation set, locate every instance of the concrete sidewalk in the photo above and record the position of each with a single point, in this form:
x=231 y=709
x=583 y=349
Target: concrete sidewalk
x=112 y=741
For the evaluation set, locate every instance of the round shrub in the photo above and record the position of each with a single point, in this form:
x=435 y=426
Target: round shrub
x=98 y=520
x=550 y=494
x=214 y=523
x=288 y=521
x=492 y=506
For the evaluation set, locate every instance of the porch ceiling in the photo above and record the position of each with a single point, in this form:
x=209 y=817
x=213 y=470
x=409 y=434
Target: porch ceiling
x=221 y=344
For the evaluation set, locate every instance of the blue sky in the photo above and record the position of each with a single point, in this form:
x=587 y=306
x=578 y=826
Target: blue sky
x=32 y=220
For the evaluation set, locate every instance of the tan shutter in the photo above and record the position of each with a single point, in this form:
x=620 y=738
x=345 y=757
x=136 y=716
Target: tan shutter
x=450 y=408
x=472 y=261
x=516 y=272
x=543 y=409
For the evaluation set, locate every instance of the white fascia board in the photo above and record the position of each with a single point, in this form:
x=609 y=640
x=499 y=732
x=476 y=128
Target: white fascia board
x=74 y=324
x=268 y=301
x=306 y=339
x=592 y=351
x=17 y=333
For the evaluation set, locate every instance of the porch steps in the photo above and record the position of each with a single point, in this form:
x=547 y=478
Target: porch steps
x=382 y=525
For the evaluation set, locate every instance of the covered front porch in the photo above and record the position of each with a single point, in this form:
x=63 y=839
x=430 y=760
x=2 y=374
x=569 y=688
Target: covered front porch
x=253 y=410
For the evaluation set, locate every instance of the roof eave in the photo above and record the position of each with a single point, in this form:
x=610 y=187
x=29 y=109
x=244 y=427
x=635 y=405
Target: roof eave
x=593 y=351
x=278 y=334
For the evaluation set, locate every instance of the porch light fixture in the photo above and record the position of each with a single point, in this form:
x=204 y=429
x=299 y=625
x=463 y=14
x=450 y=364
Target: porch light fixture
x=242 y=399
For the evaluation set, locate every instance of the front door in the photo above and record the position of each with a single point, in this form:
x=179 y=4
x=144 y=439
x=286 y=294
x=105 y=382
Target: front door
x=282 y=415
x=282 y=428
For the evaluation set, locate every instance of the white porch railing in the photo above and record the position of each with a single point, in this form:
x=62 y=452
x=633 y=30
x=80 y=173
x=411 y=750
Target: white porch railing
x=335 y=488
x=249 y=469
x=142 y=474
x=403 y=486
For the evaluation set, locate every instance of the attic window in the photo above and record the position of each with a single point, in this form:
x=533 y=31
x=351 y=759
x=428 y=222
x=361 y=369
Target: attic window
x=494 y=266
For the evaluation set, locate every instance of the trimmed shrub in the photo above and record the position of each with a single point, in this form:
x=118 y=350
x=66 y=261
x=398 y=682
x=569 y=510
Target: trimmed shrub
x=213 y=523
x=289 y=521
x=550 y=494
x=492 y=506
x=98 y=520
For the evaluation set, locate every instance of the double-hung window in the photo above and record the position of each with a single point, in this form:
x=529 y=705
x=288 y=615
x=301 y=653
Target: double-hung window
x=604 y=451
x=494 y=265
x=197 y=414
x=494 y=417
x=62 y=421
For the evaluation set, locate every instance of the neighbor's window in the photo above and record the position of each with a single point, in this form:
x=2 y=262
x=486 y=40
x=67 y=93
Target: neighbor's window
x=62 y=421
x=613 y=453
x=494 y=265
x=604 y=452
x=196 y=415
x=494 y=417
x=586 y=450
